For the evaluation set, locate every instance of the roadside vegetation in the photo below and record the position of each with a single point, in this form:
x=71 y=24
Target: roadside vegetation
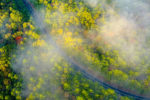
x=31 y=67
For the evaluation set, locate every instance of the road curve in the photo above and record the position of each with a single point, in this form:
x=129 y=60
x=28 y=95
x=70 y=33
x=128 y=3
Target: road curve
x=78 y=67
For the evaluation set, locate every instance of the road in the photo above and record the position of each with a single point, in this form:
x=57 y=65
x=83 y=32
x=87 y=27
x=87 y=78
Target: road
x=86 y=73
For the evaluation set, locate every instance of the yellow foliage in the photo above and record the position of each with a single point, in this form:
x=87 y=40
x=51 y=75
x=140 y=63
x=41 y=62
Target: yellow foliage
x=3 y=17
x=25 y=24
x=71 y=42
x=7 y=35
x=13 y=25
x=39 y=42
x=15 y=16
x=18 y=97
x=8 y=26
x=32 y=34
x=19 y=33
x=6 y=81
x=31 y=97
x=32 y=68
x=60 y=31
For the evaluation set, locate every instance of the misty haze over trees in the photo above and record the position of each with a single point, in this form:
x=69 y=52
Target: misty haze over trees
x=74 y=50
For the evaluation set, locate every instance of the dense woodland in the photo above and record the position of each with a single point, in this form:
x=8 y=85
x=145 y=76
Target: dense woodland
x=37 y=50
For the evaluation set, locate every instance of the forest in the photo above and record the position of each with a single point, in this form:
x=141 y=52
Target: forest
x=74 y=50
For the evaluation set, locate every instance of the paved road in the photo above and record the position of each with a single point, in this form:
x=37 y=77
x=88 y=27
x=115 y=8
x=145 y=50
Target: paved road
x=79 y=67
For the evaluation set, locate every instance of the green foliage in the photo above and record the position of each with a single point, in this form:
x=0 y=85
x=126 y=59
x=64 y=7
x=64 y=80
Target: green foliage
x=73 y=24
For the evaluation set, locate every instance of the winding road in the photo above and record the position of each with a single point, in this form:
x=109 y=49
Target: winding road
x=86 y=73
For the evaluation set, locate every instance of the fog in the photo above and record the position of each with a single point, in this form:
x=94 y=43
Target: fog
x=126 y=29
